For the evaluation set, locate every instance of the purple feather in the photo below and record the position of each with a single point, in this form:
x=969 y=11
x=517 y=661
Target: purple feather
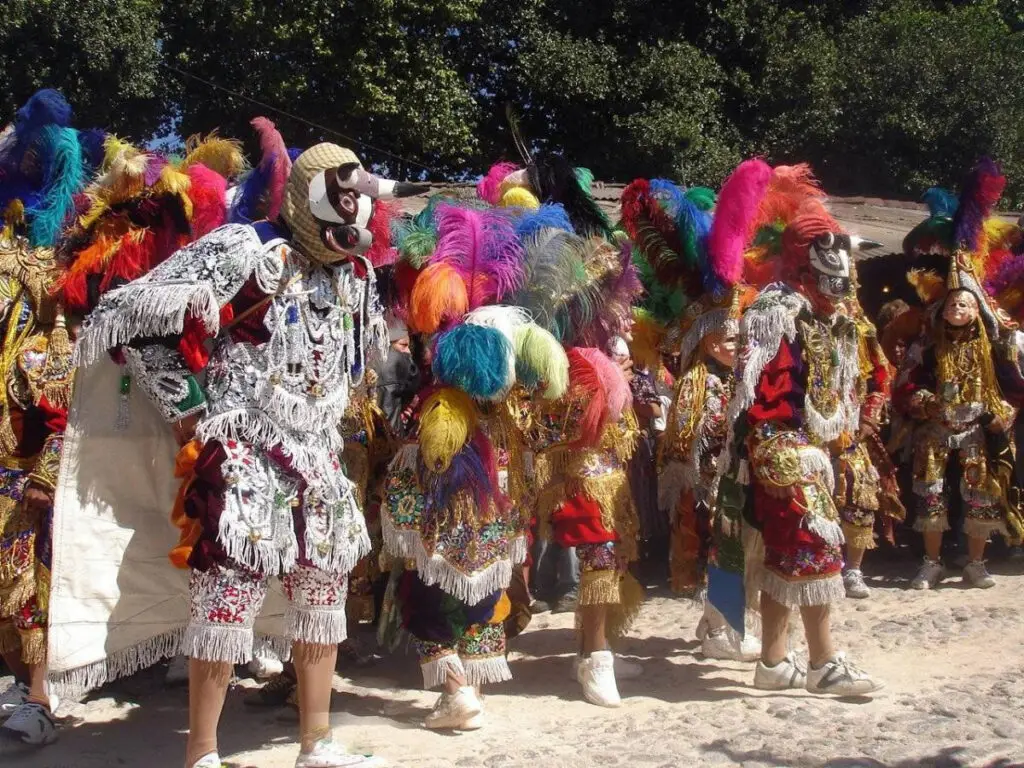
x=482 y=246
x=468 y=471
x=1009 y=273
x=154 y=165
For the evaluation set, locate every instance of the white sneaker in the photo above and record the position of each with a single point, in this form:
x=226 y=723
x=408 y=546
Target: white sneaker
x=12 y=698
x=597 y=676
x=624 y=669
x=266 y=666
x=726 y=644
x=177 y=672
x=455 y=711
x=929 y=575
x=976 y=575
x=31 y=723
x=787 y=674
x=840 y=677
x=327 y=754
x=853 y=580
x=211 y=760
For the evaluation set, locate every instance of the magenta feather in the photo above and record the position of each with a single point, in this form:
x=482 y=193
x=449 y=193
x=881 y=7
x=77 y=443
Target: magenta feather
x=481 y=245
x=489 y=187
x=275 y=160
x=981 y=191
x=736 y=210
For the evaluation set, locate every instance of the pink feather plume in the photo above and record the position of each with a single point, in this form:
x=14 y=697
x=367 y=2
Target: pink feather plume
x=734 y=215
x=488 y=187
x=275 y=160
x=483 y=248
x=207 y=191
x=606 y=387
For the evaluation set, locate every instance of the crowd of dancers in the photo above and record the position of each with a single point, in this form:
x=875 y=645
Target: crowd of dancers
x=389 y=413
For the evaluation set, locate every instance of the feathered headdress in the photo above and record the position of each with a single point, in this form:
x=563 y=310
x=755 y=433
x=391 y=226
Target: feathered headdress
x=979 y=245
x=261 y=192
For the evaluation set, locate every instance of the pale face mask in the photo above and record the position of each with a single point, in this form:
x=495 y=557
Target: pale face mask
x=341 y=201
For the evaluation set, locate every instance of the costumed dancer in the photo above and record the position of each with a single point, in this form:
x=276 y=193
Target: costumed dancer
x=454 y=505
x=139 y=210
x=961 y=381
x=796 y=399
x=580 y=287
x=697 y=264
x=866 y=485
x=293 y=323
x=44 y=163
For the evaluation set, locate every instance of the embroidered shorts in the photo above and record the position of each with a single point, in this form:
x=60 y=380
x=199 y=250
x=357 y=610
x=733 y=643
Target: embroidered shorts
x=227 y=599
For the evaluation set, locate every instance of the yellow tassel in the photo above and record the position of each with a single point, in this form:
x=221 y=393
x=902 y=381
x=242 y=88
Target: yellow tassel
x=33 y=646
x=57 y=373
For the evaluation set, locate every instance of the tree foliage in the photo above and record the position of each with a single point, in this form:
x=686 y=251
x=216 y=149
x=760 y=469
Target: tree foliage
x=882 y=97
x=101 y=53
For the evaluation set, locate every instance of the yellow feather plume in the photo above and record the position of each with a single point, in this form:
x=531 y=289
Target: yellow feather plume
x=519 y=197
x=14 y=218
x=448 y=420
x=174 y=182
x=112 y=147
x=928 y=285
x=224 y=156
x=647 y=334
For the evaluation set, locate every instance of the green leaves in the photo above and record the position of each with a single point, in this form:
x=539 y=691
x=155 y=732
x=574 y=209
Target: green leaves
x=883 y=98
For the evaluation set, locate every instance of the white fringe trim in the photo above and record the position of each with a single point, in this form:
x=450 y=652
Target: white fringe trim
x=983 y=529
x=936 y=523
x=815 y=463
x=805 y=592
x=519 y=549
x=493 y=669
x=150 y=309
x=829 y=531
x=228 y=644
x=303 y=413
x=73 y=683
x=316 y=625
x=435 y=672
x=435 y=570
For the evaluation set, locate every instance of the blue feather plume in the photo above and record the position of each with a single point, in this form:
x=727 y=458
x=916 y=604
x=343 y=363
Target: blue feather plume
x=246 y=205
x=64 y=175
x=693 y=223
x=44 y=107
x=941 y=202
x=92 y=146
x=548 y=216
x=475 y=359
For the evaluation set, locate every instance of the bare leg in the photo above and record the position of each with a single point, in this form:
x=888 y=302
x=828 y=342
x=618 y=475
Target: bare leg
x=818 y=631
x=314 y=667
x=453 y=682
x=854 y=557
x=18 y=668
x=594 y=633
x=207 y=688
x=976 y=549
x=774 y=630
x=38 y=691
x=932 y=544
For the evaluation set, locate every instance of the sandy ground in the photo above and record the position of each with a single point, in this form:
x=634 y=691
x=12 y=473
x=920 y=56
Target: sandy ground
x=951 y=659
